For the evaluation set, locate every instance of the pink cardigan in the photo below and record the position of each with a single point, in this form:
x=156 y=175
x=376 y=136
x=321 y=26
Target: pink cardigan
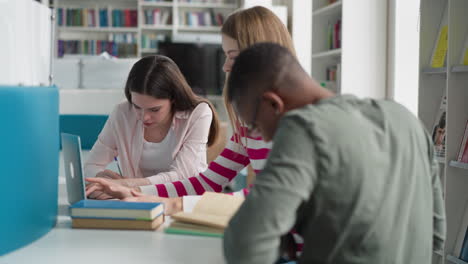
x=122 y=136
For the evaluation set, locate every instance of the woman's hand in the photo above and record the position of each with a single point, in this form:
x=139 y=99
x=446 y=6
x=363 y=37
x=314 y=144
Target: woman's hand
x=109 y=187
x=108 y=174
x=171 y=205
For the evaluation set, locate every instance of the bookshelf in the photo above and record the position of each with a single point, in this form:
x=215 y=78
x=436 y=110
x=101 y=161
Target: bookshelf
x=459 y=165
x=429 y=70
x=334 y=53
x=341 y=44
x=155 y=21
x=460 y=68
x=454 y=260
x=433 y=83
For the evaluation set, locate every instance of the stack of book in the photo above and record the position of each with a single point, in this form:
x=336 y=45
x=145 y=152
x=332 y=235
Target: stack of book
x=104 y=214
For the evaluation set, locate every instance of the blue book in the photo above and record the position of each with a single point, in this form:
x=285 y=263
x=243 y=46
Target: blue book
x=116 y=210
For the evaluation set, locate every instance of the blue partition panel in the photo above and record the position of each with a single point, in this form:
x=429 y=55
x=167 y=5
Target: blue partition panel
x=87 y=127
x=29 y=156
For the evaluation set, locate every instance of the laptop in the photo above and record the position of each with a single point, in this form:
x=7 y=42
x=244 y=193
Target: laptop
x=71 y=149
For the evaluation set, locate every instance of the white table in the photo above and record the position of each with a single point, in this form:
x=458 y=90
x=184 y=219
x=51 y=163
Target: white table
x=69 y=246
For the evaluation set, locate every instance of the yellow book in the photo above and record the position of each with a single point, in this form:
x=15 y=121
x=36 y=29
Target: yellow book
x=85 y=17
x=441 y=46
x=464 y=59
x=210 y=215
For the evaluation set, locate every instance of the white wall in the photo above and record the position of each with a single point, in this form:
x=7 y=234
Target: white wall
x=364 y=48
x=302 y=32
x=89 y=101
x=25 y=27
x=403 y=53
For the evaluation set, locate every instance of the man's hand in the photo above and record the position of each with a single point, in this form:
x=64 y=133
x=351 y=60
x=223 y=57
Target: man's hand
x=108 y=187
x=171 y=205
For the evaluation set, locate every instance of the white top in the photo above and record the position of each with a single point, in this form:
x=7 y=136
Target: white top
x=156 y=157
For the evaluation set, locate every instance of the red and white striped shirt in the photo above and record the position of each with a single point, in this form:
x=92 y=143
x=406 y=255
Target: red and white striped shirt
x=238 y=153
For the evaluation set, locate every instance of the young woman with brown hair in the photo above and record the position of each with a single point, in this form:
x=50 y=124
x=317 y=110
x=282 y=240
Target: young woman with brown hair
x=159 y=133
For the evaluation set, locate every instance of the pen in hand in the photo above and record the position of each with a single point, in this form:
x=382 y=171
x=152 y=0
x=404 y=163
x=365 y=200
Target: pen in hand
x=118 y=167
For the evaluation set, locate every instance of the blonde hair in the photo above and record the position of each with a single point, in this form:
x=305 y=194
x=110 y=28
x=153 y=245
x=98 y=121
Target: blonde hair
x=247 y=27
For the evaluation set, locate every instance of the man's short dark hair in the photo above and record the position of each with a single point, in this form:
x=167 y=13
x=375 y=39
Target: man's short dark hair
x=258 y=69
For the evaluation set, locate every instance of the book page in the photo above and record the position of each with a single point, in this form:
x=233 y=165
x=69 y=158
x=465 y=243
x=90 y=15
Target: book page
x=218 y=204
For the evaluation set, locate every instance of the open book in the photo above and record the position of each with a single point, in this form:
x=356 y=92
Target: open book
x=209 y=217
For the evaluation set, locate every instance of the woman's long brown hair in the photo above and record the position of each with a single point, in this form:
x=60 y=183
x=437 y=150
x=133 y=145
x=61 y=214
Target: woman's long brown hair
x=250 y=26
x=159 y=77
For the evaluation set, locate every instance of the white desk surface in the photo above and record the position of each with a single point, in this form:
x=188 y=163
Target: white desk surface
x=65 y=245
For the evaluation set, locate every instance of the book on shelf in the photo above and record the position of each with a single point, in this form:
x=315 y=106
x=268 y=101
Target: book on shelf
x=117 y=48
x=439 y=128
x=333 y=78
x=463 y=152
x=90 y=17
x=439 y=54
x=150 y=40
x=116 y=210
x=464 y=55
x=103 y=17
x=209 y=217
x=201 y=18
x=334 y=35
x=157 y=16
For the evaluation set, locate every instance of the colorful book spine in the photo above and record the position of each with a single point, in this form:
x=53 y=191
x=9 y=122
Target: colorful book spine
x=334 y=35
x=121 y=45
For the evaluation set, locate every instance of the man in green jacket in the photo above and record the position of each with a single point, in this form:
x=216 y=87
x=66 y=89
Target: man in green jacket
x=355 y=177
